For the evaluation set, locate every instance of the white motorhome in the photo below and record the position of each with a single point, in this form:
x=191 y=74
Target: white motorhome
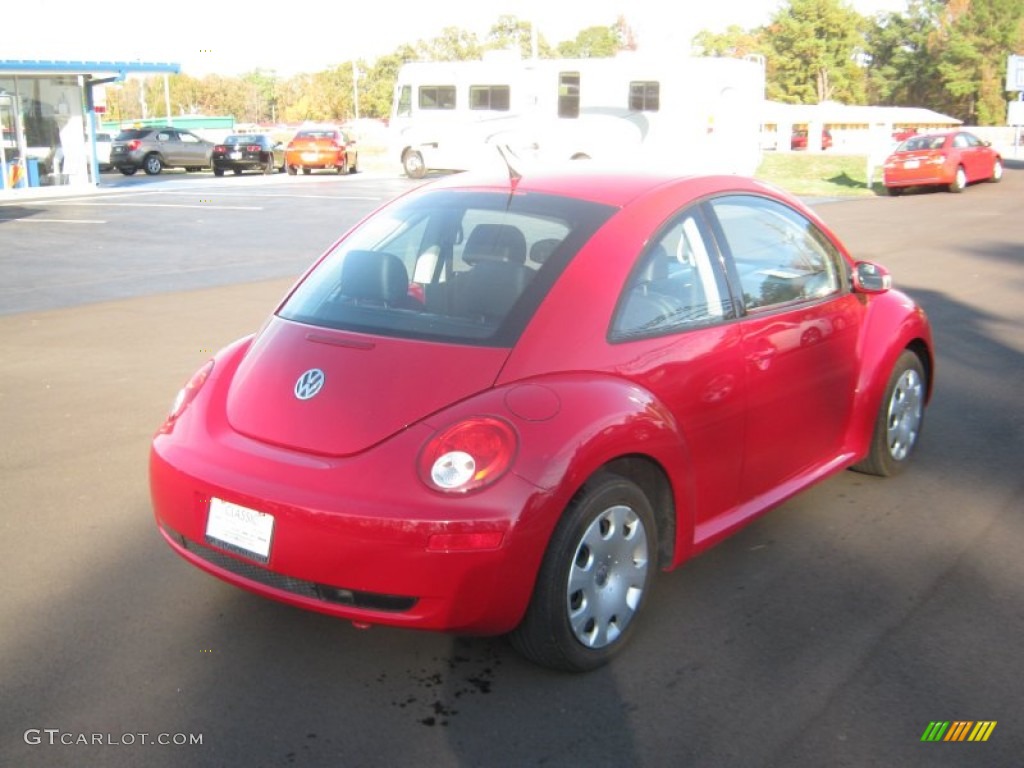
x=691 y=114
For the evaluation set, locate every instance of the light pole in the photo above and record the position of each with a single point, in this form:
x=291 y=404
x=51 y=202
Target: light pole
x=355 y=87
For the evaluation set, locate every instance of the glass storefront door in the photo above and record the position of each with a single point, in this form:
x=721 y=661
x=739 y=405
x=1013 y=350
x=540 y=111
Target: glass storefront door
x=43 y=141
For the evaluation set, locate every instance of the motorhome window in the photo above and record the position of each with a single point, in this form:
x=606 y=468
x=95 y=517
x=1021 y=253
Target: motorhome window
x=404 y=108
x=645 y=96
x=496 y=97
x=569 y=94
x=437 y=97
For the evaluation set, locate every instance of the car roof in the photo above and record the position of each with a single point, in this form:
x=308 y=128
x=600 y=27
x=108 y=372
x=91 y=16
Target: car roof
x=608 y=186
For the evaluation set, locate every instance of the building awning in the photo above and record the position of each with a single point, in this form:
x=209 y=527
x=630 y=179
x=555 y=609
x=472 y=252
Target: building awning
x=833 y=113
x=119 y=68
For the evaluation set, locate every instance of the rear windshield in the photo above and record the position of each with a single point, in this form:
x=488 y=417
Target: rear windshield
x=133 y=133
x=450 y=265
x=924 y=142
x=317 y=135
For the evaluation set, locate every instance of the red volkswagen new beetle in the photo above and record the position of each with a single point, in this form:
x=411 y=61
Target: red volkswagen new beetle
x=502 y=405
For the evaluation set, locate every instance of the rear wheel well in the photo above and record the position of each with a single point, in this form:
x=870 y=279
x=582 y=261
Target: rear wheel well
x=651 y=478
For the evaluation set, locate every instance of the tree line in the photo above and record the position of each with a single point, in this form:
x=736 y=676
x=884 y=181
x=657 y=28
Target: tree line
x=946 y=55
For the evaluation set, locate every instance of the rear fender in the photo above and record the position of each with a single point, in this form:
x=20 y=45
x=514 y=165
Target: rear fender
x=571 y=426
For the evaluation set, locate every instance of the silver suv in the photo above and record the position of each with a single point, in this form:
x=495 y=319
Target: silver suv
x=153 y=149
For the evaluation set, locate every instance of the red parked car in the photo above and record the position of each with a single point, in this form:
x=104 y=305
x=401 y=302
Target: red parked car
x=321 y=148
x=503 y=405
x=799 y=139
x=952 y=159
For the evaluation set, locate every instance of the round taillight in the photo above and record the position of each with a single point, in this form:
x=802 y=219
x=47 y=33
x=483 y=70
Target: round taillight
x=468 y=455
x=187 y=394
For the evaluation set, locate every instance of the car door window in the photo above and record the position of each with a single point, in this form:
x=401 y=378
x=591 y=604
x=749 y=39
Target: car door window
x=675 y=285
x=778 y=256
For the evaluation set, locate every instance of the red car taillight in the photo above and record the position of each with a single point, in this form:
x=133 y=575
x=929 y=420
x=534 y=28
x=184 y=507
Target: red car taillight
x=134 y=144
x=253 y=148
x=186 y=395
x=469 y=455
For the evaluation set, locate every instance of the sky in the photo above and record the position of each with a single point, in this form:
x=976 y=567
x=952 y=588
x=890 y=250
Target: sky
x=310 y=35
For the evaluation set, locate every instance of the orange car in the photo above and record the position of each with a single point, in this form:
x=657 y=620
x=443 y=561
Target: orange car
x=321 y=148
x=952 y=159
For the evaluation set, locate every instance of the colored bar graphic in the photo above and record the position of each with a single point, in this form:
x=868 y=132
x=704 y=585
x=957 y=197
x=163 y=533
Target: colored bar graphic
x=958 y=730
x=982 y=730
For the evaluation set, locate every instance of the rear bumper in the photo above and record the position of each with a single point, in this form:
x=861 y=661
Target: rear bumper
x=356 y=538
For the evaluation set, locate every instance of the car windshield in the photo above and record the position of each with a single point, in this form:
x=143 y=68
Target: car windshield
x=243 y=139
x=460 y=266
x=316 y=135
x=133 y=133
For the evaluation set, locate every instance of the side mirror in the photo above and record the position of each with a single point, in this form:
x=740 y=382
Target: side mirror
x=871 y=278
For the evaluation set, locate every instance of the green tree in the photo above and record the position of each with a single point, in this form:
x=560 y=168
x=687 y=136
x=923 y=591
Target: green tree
x=972 y=41
x=735 y=42
x=453 y=44
x=510 y=33
x=815 y=48
x=902 y=69
x=593 y=43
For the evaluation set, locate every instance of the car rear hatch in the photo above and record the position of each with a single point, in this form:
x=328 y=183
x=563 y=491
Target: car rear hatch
x=338 y=393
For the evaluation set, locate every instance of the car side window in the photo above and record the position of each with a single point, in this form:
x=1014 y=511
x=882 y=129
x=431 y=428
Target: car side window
x=779 y=256
x=675 y=285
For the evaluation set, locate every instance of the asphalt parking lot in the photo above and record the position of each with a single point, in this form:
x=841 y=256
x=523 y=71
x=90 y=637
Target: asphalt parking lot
x=830 y=632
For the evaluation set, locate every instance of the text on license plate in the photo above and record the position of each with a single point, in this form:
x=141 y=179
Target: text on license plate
x=310 y=156
x=912 y=164
x=236 y=155
x=243 y=530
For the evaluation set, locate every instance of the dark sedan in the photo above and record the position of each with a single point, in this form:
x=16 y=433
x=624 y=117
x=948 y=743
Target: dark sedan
x=248 y=152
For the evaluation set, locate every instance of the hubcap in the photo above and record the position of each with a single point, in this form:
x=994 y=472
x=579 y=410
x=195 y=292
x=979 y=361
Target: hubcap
x=906 y=407
x=607 y=577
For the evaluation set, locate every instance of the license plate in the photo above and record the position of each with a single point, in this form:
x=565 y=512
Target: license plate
x=236 y=155
x=912 y=164
x=310 y=157
x=240 y=529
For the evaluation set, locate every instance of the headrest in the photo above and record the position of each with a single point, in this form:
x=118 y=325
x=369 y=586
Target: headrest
x=374 y=276
x=495 y=242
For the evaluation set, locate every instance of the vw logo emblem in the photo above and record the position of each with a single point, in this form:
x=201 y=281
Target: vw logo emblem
x=309 y=383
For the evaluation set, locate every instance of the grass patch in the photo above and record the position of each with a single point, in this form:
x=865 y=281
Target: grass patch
x=818 y=174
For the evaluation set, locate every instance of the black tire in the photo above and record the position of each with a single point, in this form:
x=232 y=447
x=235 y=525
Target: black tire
x=959 y=181
x=413 y=165
x=997 y=172
x=595 y=576
x=152 y=165
x=292 y=170
x=268 y=167
x=127 y=170
x=899 y=420
x=306 y=171
x=236 y=171
x=894 y=191
x=218 y=172
x=354 y=166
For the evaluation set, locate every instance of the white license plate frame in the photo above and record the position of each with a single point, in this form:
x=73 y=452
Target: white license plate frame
x=242 y=530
